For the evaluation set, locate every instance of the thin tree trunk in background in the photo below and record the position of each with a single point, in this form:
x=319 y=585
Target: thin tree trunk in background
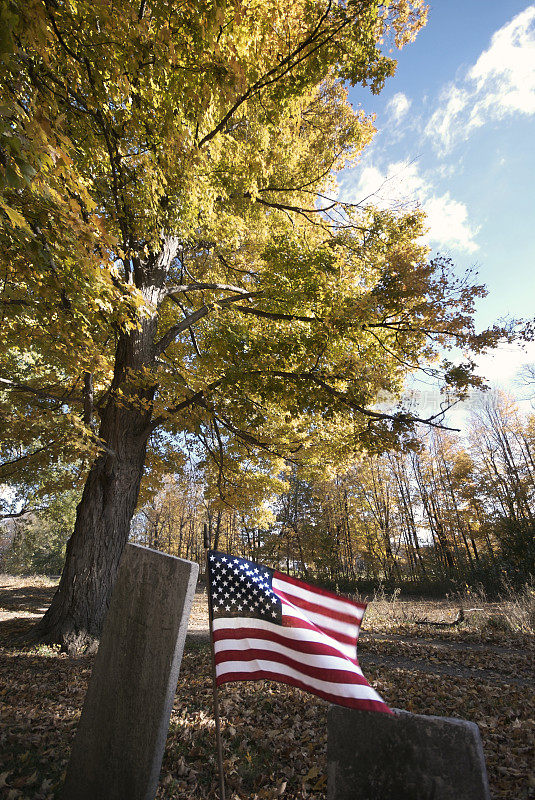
x=350 y=554
x=217 y=531
x=447 y=480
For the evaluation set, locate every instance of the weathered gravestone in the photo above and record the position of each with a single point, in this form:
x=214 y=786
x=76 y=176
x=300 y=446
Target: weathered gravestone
x=119 y=744
x=372 y=756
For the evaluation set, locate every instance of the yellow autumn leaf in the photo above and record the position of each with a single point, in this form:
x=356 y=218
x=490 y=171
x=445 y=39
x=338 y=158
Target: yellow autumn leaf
x=15 y=217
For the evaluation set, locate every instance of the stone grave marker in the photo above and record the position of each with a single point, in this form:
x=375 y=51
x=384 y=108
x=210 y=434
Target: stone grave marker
x=372 y=756
x=119 y=744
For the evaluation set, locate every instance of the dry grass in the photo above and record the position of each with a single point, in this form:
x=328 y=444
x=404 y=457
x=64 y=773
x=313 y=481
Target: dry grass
x=518 y=612
x=25 y=581
x=513 y=614
x=416 y=616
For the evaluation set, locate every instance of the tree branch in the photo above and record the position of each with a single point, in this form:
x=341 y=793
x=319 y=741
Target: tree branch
x=190 y=329
x=402 y=417
x=285 y=65
x=275 y=316
x=192 y=287
x=195 y=398
x=41 y=393
x=201 y=312
x=22 y=513
x=250 y=439
x=25 y=456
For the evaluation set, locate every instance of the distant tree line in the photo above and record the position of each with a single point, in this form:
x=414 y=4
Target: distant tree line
x=457 y=511
x=454 y=513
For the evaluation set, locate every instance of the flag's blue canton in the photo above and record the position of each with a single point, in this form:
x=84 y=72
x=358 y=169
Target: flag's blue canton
x=241 y=588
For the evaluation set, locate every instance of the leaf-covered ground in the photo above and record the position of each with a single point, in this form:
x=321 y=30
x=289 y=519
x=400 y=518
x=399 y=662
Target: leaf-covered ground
x=274 y=736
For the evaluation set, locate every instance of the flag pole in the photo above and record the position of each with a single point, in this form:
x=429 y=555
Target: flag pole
x=214 y=681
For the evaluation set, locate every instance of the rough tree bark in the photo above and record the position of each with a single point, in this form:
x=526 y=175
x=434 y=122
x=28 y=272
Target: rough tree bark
x=109 y=499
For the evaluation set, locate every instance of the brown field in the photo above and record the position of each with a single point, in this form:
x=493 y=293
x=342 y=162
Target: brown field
x=480 y=669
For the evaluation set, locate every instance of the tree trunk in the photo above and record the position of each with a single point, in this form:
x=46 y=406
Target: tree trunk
x=109 y=499
x=108 y=502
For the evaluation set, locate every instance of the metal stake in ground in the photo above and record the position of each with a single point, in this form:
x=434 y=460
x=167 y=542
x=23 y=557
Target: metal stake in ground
x=215 y=691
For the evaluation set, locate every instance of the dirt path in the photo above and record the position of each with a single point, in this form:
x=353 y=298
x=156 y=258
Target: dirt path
x=423 y=646
x=441 y=644
x=21 y=605
x=467 y=673
x=422 y=665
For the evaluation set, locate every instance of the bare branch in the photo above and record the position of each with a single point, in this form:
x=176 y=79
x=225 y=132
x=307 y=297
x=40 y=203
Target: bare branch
x=201 y=312
x=216 y=287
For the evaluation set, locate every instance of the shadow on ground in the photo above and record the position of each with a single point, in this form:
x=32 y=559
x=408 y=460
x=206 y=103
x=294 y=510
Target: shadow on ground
x=17 y=631
x=35 y=599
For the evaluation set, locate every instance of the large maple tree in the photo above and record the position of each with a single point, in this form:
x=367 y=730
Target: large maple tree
x=176 y=263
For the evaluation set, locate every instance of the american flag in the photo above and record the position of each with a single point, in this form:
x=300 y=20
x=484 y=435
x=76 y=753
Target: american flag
x=269 y=625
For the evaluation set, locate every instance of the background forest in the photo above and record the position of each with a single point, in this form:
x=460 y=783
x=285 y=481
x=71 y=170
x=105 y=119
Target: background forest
x=453 y=512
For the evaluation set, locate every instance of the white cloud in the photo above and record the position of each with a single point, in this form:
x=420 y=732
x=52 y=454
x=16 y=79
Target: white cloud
x=446 y=124
x=403 y=186
x=505 y=73
x=499 y=84
x=501 y=366
x=397 y=107
x=448 y=223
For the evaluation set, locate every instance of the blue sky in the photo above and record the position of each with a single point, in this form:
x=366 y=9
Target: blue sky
x=456 y=135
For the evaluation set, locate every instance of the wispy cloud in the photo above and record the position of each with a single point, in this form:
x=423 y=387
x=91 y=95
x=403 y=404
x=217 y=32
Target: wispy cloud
x=499 y=84
x=397 y=107
x=402 y=185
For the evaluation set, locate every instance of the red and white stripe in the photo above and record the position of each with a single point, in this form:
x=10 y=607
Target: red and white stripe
x=314 y=649
x=335 y=616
